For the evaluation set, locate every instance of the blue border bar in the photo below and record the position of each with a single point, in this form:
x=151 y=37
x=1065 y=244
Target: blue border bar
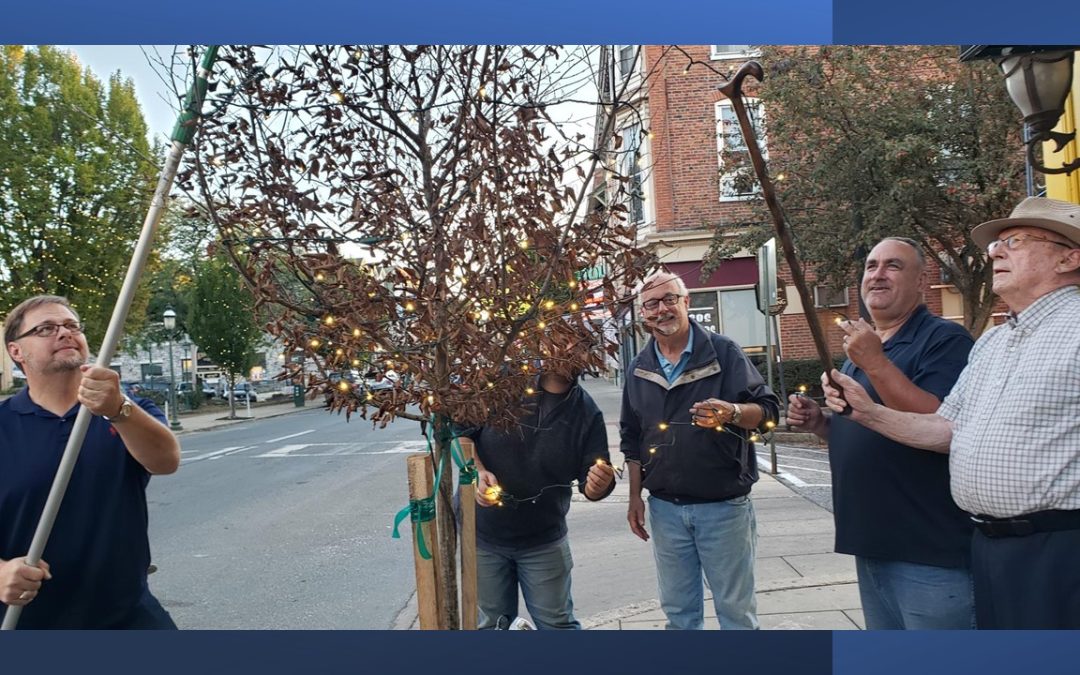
x=417 y=21
x=956 y=653
x=419 y=653
x=956 y=22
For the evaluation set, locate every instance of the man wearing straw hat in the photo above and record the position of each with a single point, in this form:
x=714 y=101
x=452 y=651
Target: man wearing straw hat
x=93 y=570
x=1011 y=425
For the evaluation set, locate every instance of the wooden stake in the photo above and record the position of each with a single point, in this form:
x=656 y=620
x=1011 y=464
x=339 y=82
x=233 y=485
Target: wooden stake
x=468 y=545
x=420 y=483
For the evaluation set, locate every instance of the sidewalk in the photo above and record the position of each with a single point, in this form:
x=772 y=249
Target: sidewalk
x=211 y=416
x=801 y=583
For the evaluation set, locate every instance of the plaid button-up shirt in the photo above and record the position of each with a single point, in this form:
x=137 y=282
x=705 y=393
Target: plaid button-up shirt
x=1016 y=413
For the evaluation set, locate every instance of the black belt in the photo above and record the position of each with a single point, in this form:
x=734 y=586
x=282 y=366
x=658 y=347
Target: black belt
x=1029 y=523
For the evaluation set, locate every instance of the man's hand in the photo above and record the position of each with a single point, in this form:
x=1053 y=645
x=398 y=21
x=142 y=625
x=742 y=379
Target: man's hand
x=806 y=414
x=601 y=475
x=635 y=515
x=19 y=582
x=863 y=345
x=712 y=412
x=487 y=488
x=99 y=390
x=854 y=396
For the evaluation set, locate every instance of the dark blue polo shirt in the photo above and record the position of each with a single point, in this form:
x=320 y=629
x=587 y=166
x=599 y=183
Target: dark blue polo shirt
x=891 y=501
x=98 y=551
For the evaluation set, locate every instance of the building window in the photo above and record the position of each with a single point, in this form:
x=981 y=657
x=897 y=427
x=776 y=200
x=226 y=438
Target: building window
x=728 y=51
x=830 y=296
x=736 y=180
x=630 y=160
x=733 y=313
x=627 y=62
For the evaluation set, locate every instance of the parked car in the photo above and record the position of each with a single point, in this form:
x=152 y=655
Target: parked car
x=208 y=391
x=245 y=391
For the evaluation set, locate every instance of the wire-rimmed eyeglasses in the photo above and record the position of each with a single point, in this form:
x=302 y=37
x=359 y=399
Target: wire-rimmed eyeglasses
x=1014 y=241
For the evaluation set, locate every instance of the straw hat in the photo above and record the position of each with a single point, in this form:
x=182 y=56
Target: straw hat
x=1047 y=214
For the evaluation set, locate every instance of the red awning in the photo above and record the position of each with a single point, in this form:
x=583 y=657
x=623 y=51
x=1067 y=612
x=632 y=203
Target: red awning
x=733 y=272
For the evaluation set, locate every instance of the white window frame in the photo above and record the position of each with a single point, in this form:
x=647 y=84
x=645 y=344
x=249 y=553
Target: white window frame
x=717 y=290
x=624 y=158
x=635 y=67
x=757 y=110
x=831 y=296
x=721 y=52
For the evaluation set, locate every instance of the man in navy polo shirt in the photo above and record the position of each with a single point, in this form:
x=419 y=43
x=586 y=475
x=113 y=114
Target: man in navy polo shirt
x=93 y=570
x=891 y=502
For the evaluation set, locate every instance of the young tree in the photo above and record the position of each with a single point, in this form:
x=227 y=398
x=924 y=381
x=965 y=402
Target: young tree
x=890 y=141
x=221 y=320
x=406 y=207
x=76 y=178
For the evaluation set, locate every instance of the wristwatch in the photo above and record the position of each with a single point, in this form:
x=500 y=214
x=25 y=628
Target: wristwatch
x=125 y=411
x=736 y=413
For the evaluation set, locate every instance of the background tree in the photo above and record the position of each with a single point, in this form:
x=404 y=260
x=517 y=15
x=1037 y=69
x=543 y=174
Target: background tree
x=889 y=141
x=76 y=178
x=221 y=320
x=406 y=207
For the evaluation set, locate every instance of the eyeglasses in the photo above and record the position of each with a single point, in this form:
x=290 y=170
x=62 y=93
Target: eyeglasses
x=670 y=300
x=51 y=329
x=1014 y=241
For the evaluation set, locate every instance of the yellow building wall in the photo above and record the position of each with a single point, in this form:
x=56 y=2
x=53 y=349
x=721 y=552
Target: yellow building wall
x=1060 y=186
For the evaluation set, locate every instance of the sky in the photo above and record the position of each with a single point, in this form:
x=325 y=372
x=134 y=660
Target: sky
x=157 y=99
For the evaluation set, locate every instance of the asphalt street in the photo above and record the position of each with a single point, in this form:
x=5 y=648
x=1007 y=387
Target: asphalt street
x=284 y=523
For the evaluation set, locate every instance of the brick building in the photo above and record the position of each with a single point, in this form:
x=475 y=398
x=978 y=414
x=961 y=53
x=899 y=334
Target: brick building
x=675 y=128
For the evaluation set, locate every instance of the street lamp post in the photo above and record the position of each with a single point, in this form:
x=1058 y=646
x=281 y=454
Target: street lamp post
x=169 y=319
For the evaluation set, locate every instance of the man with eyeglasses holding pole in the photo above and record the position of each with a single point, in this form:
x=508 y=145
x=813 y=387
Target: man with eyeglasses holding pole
x=93 y=570
x=691 y=400
x=1011 y=425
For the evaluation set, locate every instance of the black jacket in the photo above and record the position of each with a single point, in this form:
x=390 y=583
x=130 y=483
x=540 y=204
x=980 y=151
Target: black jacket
x=535 y=462
x=682 y=462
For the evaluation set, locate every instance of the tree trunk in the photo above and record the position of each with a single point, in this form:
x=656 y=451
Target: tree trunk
x=447 y=563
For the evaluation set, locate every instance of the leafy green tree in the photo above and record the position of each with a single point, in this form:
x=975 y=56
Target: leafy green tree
x=76 y=178
x=221 y=320
x=869 y=142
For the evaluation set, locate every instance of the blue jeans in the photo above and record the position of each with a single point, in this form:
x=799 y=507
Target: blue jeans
x=544 y=576
x=716 y=539
x=900 y=595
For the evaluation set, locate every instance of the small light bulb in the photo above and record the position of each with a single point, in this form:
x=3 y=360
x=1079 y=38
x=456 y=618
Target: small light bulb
x=339 y=351
x=356 y=332
x=329 y=321
x=573 y=306
x=541 y=325
x=343 y=385
x=770 y=424
x=550 y=304
x=320 y=277
x=356 y=362
x=431 y=400
x=663 y=426
x=652 y=451
x=719 y=427
x=530 y=391
x=410 y=306
x=370 y=396
x=315 y=342
x=572 y=283
x=491 y=385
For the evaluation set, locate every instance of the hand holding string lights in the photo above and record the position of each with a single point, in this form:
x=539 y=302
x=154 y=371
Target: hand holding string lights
x=600 y=476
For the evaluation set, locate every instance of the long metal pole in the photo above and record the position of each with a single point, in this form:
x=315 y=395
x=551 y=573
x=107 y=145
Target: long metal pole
x=181 y=137
x=174 y=423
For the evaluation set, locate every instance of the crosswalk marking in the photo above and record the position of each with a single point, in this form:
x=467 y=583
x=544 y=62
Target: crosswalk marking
x=282 y=438
x=284 y=450
x=216 y=453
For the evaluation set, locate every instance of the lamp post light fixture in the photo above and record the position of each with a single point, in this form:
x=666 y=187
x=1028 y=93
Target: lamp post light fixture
x=169 y=319
x=1038 y=79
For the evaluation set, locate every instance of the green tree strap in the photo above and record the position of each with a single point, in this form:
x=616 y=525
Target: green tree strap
x=468 y=473
x=421 y=511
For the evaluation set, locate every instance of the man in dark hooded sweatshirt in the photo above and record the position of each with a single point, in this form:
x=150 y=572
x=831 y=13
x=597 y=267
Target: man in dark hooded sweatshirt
x=525 y=478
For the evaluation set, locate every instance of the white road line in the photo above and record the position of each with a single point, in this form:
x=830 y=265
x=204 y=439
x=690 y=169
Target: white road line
x=300 y=433
x=216 y=453
x=794 y=480
x=284 y=450
x=804 y=459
